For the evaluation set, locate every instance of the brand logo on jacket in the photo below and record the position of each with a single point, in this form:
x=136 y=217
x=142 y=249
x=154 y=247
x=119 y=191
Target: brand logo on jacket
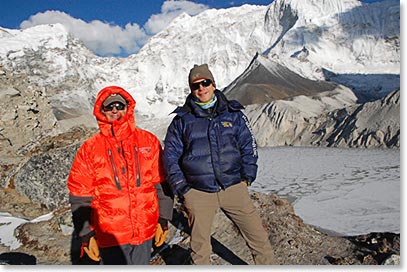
x=145 y=150
x=226 y=124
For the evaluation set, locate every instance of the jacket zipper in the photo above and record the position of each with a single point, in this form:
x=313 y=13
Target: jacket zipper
x=116 y=176
x=216 y=127
x=210 y=119
x=137 y=165
x=121 y=152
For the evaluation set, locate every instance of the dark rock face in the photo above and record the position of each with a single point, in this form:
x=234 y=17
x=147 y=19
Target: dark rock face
x=265 y=81
x=43 y=183
x=375 y=248
x=43 y=177
x=13 y=258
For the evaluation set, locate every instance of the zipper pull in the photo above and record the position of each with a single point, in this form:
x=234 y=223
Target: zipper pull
x=137 y=166
x=116 y=176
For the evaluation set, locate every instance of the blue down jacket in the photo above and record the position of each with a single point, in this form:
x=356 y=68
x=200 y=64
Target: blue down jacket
x=209 y=150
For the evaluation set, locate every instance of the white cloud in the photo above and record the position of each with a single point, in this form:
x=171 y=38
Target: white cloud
x=106 y=39
x=102 y=38
x=169 y=10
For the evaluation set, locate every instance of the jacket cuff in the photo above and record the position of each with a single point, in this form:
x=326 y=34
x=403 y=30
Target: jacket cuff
x=183 y=190
x=86 y=238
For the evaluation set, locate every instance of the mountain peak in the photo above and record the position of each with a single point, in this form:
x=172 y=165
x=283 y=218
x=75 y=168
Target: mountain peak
x=49 y=36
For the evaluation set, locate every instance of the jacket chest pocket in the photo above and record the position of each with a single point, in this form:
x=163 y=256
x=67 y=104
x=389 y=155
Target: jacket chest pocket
x=143 y=162
x=146 y=153
x=225 y=134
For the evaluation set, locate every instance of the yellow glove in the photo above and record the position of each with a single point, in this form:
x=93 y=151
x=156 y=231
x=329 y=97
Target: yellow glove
x=92 y=249
x=161 y=232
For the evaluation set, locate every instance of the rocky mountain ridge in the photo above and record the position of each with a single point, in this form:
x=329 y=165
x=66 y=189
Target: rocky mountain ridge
x=373 y=124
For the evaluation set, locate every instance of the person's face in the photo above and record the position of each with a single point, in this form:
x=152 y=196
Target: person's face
x=203 y=89
x=114 y=110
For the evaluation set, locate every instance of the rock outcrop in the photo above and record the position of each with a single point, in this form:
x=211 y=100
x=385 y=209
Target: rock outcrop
x=372 y=124
x=43 y=177
x=29 y=115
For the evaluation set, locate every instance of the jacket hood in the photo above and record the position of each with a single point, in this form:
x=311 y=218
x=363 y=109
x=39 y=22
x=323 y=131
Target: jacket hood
x=122 y=127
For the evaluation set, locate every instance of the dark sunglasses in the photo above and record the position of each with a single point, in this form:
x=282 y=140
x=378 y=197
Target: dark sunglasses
x=205 y=83
x=117 y=105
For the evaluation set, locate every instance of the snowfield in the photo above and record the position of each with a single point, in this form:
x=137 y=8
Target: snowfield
x=342 y=191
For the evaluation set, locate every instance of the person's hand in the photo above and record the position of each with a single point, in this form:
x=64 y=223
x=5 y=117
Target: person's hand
x=91 y=248
x=161 y=232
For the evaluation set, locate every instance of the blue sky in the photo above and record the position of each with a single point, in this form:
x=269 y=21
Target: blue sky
x=118 y=27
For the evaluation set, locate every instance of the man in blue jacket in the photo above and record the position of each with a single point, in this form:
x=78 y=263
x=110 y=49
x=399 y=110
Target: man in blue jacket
x=210 y=156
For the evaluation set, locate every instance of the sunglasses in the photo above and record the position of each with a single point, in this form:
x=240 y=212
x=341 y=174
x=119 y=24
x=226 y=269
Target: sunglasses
x=204 y=83
x=117 y=105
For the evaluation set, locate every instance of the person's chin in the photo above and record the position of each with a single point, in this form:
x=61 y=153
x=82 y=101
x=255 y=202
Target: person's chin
x=204 y=99
x=116 y=117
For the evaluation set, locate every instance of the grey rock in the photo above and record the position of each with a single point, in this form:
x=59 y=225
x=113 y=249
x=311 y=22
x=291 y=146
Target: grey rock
x=44 y=176
x=393 y=260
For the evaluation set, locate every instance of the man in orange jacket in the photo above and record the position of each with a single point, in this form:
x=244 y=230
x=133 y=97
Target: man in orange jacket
x=119 y=206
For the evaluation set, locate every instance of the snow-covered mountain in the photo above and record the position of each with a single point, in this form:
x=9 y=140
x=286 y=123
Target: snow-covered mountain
x=345 y=41
x=49 y=79
x=342 y=36
x=311 y=38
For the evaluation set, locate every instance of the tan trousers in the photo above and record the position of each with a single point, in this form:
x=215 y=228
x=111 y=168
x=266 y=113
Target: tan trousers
x=236 y=203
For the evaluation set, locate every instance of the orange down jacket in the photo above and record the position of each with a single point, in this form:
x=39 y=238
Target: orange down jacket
x=117 y=169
